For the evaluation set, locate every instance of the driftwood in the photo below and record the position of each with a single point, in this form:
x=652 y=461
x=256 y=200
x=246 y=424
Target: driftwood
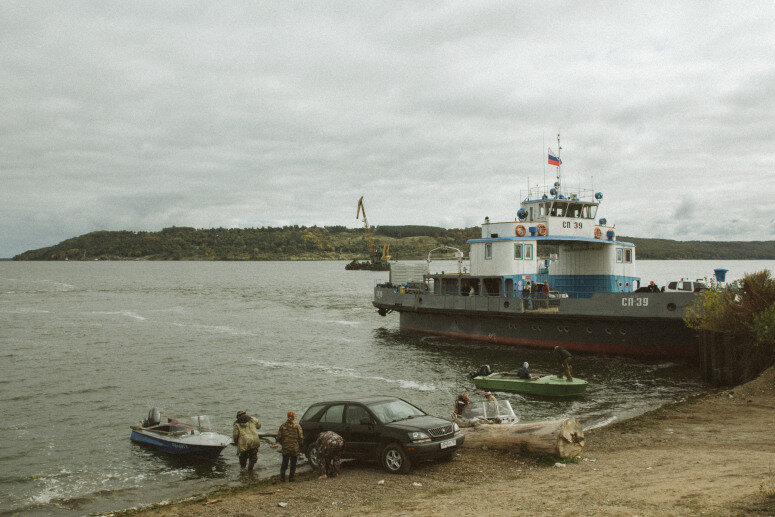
x=562 y=438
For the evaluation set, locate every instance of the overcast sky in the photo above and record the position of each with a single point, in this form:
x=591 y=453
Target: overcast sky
x=133 y=115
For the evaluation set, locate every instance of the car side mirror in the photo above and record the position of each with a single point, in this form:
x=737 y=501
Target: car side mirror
x=366 y=421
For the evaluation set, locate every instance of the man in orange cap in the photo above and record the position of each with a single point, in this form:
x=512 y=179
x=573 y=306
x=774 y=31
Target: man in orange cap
x=291 y=438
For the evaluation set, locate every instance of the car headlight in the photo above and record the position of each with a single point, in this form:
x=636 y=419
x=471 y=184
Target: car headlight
x=419 y=437
x=455 y=428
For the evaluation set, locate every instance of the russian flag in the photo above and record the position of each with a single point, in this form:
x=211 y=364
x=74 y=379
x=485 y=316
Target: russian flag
x=554 y=160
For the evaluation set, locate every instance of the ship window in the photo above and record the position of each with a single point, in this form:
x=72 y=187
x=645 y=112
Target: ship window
x=628 y=255
x=574 y=210
x=592 y=211
x=528 y=252
x=559 y=208
x=494 y=236
x=488 y=251
x=517 y=252
x=672 y=285
x=531 y=213
x=619 y=254
x=541 y=209
x=492 y=286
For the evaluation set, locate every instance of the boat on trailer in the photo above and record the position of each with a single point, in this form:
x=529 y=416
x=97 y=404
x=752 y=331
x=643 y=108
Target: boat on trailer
x=545 y=385
x=555 y=275
x=193 y=436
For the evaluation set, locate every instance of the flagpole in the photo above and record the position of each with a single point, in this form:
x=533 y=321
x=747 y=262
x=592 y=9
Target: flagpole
x=559 y=167
x=543 y=150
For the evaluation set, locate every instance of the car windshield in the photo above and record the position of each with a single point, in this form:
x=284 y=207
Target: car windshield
x=394 y=410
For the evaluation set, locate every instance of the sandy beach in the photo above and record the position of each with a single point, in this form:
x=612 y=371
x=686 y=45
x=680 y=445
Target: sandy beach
x=711 y=454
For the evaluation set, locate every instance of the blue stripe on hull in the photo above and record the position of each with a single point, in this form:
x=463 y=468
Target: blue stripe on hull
x=583 y=286
x=204 y=451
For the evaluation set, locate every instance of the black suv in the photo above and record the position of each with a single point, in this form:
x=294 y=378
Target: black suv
x=387 y=429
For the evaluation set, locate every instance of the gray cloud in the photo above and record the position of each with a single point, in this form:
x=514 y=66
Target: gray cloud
x=139 y=115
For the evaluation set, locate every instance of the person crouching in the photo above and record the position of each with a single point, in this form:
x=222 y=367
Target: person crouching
x=328 y=447
x=290 y=437
x=245 y=436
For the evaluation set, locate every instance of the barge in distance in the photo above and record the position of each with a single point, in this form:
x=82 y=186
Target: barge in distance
x=594 y=303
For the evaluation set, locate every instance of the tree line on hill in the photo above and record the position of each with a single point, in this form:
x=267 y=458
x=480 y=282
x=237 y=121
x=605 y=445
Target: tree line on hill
x=332 y=243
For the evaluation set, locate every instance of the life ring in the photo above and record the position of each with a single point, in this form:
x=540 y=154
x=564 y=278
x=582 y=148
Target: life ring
x=520 y=230
x=542 y=230
x=598 y=233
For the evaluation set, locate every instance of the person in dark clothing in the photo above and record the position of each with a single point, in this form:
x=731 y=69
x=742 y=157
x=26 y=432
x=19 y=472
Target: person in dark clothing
x=524 y=373
x=563 y=358
x=526 y=296
x=461 y=404
x=545 y=294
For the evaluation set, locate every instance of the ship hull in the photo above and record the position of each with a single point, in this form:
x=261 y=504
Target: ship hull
x=656 y=337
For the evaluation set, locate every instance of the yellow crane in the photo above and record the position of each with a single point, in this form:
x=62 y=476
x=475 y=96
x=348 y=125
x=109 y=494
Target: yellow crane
x=367 y=232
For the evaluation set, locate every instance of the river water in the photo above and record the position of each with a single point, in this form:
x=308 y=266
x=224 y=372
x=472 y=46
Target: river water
x=86 y=348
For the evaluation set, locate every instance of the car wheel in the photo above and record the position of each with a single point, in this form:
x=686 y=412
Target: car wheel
x=394 y=459
x=312 y=456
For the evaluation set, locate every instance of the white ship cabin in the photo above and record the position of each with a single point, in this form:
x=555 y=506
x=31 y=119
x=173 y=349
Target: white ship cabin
x=554 y=240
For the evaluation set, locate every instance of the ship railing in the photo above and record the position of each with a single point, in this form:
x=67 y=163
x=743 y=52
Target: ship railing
x=542 y=300
x=418 y=288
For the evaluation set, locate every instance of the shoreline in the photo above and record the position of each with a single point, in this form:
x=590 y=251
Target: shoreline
x=706 y=453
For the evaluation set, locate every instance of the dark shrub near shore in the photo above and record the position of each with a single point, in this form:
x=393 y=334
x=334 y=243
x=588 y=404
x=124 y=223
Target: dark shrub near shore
x=737 y=329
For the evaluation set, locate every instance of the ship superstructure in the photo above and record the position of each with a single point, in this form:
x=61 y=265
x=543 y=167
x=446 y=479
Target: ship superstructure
x=554 y=275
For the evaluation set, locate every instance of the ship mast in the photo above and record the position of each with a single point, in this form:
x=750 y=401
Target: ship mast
x=559 y=167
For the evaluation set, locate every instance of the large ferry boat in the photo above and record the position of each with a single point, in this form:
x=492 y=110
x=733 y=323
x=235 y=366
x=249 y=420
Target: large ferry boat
x=552 y=276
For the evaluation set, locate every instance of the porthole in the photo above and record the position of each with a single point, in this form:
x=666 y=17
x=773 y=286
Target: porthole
x=623 y=332
x=671 y=306
x=620 y=284
x=506 y=304
x=627 y=284
x=538 y=328
x=589 y=330
x=559 y=328
x=565 y=329
x=608 y=331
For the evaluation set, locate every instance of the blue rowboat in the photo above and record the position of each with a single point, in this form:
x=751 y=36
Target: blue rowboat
x=191 y=436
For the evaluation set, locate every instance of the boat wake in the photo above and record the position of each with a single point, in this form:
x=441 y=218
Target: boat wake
x=216 y=329
x=348 y=373
x=602 y=423
x=128 y=314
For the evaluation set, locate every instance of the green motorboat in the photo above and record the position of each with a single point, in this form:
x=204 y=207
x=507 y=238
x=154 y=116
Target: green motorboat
x=547 y=385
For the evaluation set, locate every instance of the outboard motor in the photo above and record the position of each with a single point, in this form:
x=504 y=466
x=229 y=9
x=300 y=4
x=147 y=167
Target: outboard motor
x=154 y=418
x=483 y=371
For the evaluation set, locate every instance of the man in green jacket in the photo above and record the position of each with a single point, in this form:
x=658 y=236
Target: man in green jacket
x=246 y=438
x=291 y=438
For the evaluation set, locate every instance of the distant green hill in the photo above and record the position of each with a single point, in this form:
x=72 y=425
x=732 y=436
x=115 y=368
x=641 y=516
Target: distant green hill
x=331 y=243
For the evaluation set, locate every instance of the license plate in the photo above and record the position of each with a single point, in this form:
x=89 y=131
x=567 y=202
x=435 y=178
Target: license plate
x=448 y=443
